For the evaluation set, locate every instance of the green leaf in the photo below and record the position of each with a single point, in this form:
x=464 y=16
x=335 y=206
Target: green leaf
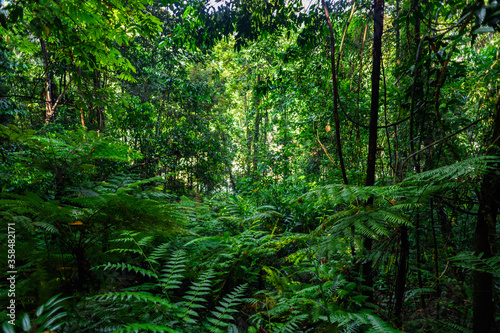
x=8 y=327
x=26 y=322
x=483 y=30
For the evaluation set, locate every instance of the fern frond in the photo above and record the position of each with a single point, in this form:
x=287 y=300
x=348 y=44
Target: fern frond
x=378 y=325
x=443 y=326
x=137 y=328
x=128 y=236
x=469 y=260
x=136 y=296
x=172 y=274
x=193 y=297
x=222 y=316
x=357 y=319
x=159 y=252
x=128 y=267
x=121 y=250
x=292 y=325
x=263 y=213
x=46 y=226
x=415 y=292
x=449 y=173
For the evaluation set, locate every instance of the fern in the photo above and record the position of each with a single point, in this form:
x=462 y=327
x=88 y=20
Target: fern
x=128 y=267
x=292 y=325
x=160 y=252
x=354 y=320
x=195 y=296
x=47 y=317
x=46 y=226
x=415 y=292
x=222 y=315
x=441 y=325
x=471 y=167
x=137 y=328
x=172 y=273
x=469 y=260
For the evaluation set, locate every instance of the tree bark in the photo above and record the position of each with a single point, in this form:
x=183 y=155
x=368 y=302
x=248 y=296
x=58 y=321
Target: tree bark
x=484 y=240
x=401 y=276
x=248 y=137
x=417 y=90
x=378 y=25
x=256 y=133
x=49 y=110
x=335 y=95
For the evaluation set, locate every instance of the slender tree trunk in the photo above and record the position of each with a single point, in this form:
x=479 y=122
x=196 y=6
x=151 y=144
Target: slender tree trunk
x=335 y=94
x=484 y=242
x=358 y=135
x=401 y=276
x=82 y=113
x=378 y=20
x=417 y=90
x=49 y=110
x=396 y=32
x=417 y=87
x=248 y=137
x=256 y=134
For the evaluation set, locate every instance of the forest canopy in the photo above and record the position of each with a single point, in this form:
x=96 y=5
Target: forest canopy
x=249 y=166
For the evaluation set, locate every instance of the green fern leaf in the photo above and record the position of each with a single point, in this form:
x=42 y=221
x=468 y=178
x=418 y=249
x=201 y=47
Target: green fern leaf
x=195 y=296
x=128 y=267
x=227 y=303
x=172 y=274
x=136 y=328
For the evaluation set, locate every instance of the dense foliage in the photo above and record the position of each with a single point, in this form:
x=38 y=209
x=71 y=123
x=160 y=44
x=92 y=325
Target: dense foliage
x=249 y=166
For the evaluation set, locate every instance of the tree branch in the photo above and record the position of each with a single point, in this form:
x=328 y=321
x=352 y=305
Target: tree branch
x=439 y=141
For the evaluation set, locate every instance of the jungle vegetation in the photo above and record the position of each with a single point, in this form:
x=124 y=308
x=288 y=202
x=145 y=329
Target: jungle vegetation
x=249 y=166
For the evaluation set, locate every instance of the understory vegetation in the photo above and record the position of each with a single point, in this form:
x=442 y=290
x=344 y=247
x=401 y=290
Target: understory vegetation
x=249 y=166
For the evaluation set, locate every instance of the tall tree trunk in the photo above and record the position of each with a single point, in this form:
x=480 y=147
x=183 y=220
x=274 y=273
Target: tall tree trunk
x=256 y=133
x=417 y=87
x=484 y=241
x=417 y=90
x=401 y=276
x=378 y=25
x=248 y=137
x=335 y=94
x=49 y=109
